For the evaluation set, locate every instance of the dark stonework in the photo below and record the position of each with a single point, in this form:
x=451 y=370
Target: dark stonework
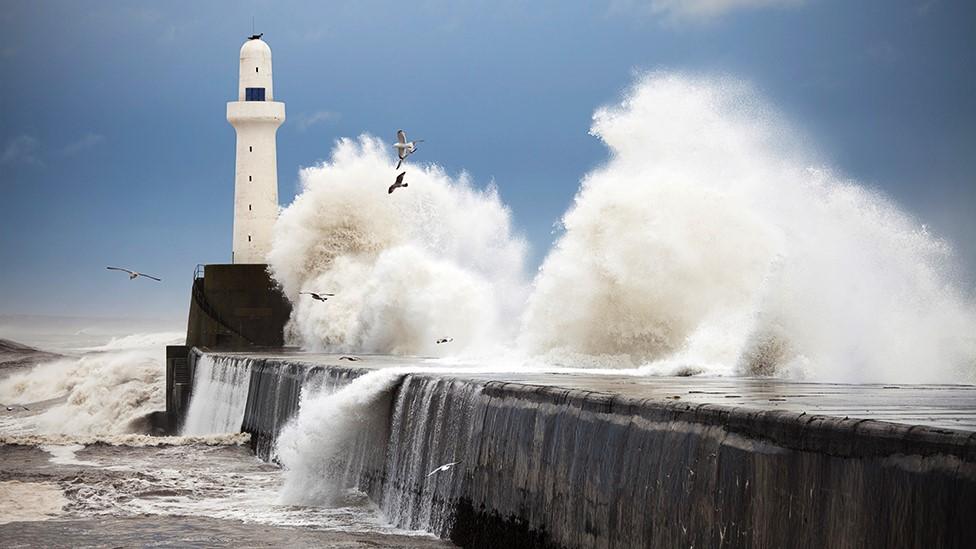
x=551 y=466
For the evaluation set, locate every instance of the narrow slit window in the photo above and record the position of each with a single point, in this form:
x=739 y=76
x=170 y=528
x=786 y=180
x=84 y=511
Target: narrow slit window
x=248 y=238
x=250 y=149
x=248 y=207
x=256 y=69
x=249 y=178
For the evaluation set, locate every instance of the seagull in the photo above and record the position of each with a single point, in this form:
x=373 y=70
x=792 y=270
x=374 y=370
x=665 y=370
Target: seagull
x=443 y=468
x=349 y=358
x=399 y=183
x=255 y=36
x=133 y=274
x=405 y=148
x=445 y=340
x=319 y=296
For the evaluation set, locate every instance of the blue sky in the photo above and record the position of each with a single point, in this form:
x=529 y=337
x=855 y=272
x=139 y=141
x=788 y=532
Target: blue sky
x=114 y=148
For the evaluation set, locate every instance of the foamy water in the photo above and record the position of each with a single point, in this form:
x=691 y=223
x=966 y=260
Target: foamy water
x=712 y=240
x=101 y=392
x=713 y=237
x=29 y=501
x=434 y=260
x=223 y=387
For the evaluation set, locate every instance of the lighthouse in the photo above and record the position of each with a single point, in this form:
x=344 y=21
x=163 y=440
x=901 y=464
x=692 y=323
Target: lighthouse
x=237 y=306
x=256 y=117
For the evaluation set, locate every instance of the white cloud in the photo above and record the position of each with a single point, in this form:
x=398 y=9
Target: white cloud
x=697 y=10
x=21 y=149
x=306 y=121
x=88 y=141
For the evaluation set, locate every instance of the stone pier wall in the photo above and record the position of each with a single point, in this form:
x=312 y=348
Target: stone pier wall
x=551 y=467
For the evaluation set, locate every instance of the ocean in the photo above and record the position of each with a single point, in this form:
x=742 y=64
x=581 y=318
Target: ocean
x=76 y=472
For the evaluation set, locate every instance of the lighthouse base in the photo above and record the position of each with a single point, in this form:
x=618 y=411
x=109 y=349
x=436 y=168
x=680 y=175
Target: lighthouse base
x=236 y=307
x=233 y=307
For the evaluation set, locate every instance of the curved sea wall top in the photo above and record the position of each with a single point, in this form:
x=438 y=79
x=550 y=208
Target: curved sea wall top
x=545 y=466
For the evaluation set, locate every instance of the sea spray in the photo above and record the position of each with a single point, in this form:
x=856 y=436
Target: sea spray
x=99 y=393
x=711 y=241
x=220 y=387
x=708 y=240
x=335 y=427
x=315 y=447
x=436 y=259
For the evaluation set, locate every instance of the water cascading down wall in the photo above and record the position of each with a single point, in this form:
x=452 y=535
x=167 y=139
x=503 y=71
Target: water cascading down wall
x=551 y=467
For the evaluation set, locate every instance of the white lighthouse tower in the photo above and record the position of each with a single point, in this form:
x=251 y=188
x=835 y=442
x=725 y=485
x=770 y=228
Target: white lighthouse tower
x=256 y=117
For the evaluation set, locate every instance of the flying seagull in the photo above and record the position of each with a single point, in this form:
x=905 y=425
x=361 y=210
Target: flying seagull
x=405 y=148
x=320 y=296
x=399 y=183
x=445 y=340
x=443 y=468
x=133 y=274
x=255 y=36
x=349 y=358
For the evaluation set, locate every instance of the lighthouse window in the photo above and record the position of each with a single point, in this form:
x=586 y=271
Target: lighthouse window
x=248 y=207
x=250 y=149
x=254 y=94
x=249 y=178
x=248 y=238
x=255 y=69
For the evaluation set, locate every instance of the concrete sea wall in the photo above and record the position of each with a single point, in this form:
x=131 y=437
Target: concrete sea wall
x=550 y=467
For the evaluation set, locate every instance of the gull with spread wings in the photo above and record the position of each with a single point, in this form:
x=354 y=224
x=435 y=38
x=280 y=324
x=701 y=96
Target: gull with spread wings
x=443 y=468
x=399 y=183
x=134 y=274
x=318 y=296
x=405 y=148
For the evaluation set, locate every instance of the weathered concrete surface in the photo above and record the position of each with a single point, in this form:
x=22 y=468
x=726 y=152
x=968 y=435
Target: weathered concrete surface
x=942 y=406
x=236 y=306
x=597 y=461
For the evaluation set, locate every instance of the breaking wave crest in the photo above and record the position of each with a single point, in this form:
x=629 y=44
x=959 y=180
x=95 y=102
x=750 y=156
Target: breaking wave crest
x=707 y=240
x=316 y=445
x=437 y=259
x=104 y=392
x=711 y=241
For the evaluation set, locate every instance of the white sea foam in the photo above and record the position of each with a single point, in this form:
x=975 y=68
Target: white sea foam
x=313 y=447
x=138 y=341
x=711 y=241
x=433 y=260
x=219 y=396
x=99 y=393
x=708 y=240
x=64 y=454
x=132 y=439
x=29 y=501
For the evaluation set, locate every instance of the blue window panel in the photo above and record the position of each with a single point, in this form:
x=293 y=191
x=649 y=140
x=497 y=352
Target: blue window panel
x=254 y=94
